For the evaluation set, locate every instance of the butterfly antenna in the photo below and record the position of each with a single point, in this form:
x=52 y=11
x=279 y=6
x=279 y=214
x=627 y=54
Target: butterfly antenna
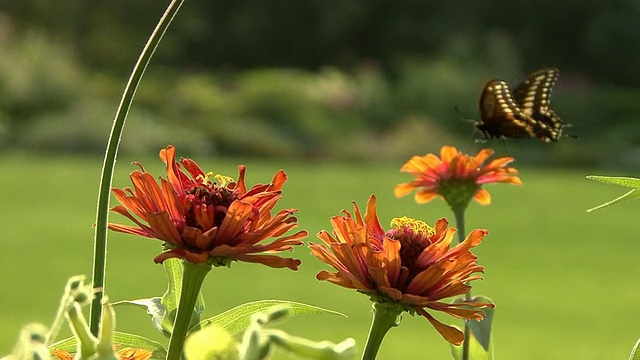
x=572 y=136
x=464 y=118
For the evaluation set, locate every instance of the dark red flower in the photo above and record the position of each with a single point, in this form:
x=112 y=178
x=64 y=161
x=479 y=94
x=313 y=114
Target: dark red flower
x=204 y=218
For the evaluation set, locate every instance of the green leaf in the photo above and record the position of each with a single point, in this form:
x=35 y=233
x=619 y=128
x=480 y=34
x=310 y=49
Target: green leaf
x=163 y=310
x=121 y=339
x=635 y=352
x=154 y=308
x=480 y=344
x=628 y=182
x=476 y=351
x=237 y=319
x=171 y=298
x=482 y=329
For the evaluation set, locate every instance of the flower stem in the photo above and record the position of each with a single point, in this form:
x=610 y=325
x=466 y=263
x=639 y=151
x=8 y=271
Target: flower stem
x=458 y=212
x=192 y=279
x=384 y=318
x=100 y=242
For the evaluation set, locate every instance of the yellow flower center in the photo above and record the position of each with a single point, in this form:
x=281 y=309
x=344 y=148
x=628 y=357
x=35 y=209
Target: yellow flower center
x=414 y=237
x=222 y=179
x=413 y=225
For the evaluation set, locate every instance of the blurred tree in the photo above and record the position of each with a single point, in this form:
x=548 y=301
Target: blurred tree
x=592 y=37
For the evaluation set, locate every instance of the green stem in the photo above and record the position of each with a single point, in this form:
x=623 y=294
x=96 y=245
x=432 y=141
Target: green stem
x=384 y=318
x=192 y=279
x=458 y=212
x=100 y=242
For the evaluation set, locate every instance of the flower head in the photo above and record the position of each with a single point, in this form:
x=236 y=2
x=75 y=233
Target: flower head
x=209 y=219
x=411 y=265
x=456 y=176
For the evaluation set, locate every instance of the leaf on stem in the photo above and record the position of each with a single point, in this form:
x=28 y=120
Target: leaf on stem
x=238 y=318
x=163 y=310
x=627 y=182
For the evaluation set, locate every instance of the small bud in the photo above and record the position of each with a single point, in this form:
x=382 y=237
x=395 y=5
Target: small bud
x=31 y=344
x=200 y=345
x=104 y=348
x=75 y=283
x=86 y=341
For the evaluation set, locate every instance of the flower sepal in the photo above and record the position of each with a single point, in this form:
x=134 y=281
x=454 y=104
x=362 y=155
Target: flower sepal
x=384 y=300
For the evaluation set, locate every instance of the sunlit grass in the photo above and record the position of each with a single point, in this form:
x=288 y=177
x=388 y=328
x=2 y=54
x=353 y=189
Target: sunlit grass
x=564 y=281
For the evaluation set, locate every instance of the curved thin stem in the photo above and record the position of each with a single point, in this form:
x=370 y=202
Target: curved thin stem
x=384 y=318
x=106 y=178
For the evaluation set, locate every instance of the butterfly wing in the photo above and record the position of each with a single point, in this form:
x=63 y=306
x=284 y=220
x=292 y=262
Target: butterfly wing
x=501 y=116
x=533 y=97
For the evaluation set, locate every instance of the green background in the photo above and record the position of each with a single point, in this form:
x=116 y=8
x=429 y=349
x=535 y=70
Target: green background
x=564 y=280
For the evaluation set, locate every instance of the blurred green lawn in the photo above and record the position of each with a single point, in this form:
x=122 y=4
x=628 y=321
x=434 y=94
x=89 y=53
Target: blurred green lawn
x=564 y=281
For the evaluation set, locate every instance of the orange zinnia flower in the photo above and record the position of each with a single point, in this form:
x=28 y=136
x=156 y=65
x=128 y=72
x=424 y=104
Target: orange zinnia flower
x=205 y=221
x=456 y=176
x=123 y=354
x=411 y=265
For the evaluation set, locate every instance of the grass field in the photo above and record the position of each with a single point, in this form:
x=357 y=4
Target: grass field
x=565 y=281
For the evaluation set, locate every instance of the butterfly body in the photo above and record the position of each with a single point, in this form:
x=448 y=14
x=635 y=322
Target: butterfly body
x=523 y=113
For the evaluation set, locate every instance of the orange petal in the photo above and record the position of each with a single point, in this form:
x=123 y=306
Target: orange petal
x=233 y=222
x=482 y=196
x=423 y=196
x=449 y=333
x=403 y=189
x=448 y=153
x=483 y=155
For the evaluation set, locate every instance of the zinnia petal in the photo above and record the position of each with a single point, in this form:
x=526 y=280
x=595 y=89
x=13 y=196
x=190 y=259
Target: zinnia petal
x=482 y=196
x=449 y=333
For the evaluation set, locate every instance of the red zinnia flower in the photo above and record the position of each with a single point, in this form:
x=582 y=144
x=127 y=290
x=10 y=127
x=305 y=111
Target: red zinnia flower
x=456 y=176
x=411 y=265
x=205 y=221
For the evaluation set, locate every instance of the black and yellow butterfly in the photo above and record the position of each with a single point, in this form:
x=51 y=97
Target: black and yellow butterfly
x=523 y=113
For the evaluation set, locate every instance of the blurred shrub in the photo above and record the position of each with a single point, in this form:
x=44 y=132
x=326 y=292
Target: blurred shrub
x=37 y=74
x=85 y=127
x=412 y=106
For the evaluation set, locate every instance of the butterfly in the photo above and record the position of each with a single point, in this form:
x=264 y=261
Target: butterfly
x=523 y=112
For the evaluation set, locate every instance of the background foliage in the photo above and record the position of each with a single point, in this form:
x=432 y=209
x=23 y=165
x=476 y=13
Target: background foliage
x=314 y=79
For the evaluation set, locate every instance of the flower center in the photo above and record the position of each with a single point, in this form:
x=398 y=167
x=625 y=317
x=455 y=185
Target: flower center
x=414 y=236
x=214 y=197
